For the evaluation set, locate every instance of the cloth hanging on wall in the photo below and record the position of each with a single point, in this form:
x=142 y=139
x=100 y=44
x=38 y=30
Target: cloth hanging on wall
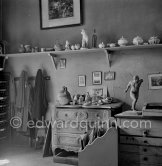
x=23 y=101
x=40 y=103
x=20 y=96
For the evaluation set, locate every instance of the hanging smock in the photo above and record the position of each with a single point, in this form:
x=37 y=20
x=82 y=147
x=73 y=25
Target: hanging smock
x=23 y=101
x=40 y=103
x=20 y=104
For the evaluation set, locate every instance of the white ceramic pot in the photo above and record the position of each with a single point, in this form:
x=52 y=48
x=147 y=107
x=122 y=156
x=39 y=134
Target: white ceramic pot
x=122 y=41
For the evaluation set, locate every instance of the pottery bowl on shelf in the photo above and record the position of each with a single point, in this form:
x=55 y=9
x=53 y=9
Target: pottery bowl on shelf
x=112 y=45
x=137 y=40
x=122 y=41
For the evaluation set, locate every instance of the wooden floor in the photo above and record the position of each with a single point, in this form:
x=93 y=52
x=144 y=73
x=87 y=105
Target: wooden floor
x=24 y=156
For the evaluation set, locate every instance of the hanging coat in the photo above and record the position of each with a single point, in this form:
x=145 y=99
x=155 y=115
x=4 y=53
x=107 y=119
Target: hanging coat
x=40 y=102
x=21 y=108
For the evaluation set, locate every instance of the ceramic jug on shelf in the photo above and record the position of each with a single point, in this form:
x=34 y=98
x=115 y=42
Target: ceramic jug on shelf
x=64 y=96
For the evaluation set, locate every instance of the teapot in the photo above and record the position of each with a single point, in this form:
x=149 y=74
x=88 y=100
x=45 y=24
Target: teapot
x=122 y=41
x=137 y=40
x=64 y=96
x=154 y=40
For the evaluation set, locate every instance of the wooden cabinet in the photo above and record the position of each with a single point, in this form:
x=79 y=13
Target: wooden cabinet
x=4 y=104
x=71 y=123
x=140 y=140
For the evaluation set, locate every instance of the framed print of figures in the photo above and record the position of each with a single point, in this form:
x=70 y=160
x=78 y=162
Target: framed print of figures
x=109 y=76
x=81 y=80
x=155 y=81
x=97 y=78
x=60 y=13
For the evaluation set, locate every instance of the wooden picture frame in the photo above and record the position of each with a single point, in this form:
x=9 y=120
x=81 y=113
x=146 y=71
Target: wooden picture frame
x=155 y=81
x=60 y=13
x=108 y=76
x=81 y=80
x=97 y=78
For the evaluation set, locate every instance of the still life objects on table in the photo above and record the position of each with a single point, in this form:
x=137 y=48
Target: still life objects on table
x=64 y=97
x=95 y=99
x=134 y=86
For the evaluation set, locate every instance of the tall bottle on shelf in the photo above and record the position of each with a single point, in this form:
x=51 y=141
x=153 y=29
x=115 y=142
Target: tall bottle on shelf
x=94 y=39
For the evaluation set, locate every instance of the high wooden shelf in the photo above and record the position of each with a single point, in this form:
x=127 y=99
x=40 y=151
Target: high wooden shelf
x=108 y=52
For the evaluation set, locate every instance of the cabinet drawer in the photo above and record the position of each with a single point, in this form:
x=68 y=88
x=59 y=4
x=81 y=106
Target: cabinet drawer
x=145 y=150
x=140 y=127
x=141 y=132
x=81 y=115
x=4 y=92
x=140 y=141
x=128 y=159
x=73 y=127
x=64 y=139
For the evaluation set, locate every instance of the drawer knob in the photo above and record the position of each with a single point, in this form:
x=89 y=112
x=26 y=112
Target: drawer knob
x=145 y=158
x=98 y=116
x=145 y=150
x=145 y=141
x=145 y=133
x=66 y=115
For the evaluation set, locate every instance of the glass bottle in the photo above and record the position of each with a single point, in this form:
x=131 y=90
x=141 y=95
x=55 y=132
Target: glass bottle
x=94 y=39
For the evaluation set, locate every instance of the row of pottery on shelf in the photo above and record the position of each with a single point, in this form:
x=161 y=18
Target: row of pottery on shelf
x=139 y=41
x=27 y=49
x=136 y=41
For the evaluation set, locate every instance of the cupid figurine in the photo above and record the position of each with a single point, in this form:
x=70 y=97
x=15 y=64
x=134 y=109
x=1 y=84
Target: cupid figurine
x=134 y=86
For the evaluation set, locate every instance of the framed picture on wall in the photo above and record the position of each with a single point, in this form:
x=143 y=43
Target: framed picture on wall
x=81 y=80
x=155 y=81
x=97 y=78
x=60 y=13
x=109 y=76
x=62 y=63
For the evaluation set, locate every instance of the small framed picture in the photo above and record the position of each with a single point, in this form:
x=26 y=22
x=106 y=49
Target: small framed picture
x=81 y=80
x=109 y=76
x=97 y=78
x=62 y=63
x=155 y=81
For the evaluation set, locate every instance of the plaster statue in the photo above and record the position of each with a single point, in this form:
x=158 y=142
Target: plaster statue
x=134 y=86
x=67 y=45
x=84 y=39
